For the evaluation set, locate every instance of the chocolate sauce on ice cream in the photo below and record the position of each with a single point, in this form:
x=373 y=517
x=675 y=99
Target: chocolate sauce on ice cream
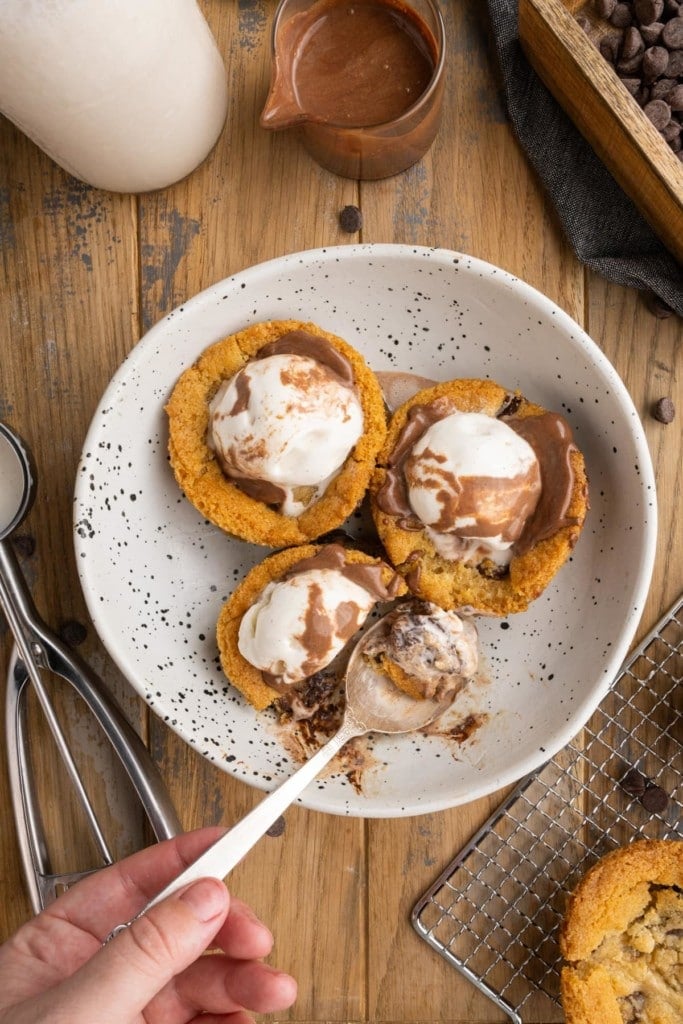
x=536 y=509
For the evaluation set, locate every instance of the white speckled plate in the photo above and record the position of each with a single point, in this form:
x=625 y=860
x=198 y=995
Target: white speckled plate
x=155 y=573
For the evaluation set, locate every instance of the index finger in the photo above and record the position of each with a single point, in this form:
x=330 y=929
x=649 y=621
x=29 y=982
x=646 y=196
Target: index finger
x=117 y=893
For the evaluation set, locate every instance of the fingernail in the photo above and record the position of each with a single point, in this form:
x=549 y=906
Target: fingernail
x=206 y=898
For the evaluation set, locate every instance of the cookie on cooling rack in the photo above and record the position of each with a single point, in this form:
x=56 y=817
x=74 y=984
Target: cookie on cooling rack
x=622 y=938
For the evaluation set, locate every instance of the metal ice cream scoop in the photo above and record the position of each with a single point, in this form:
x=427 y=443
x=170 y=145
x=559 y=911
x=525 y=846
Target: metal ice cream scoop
x=36 y=651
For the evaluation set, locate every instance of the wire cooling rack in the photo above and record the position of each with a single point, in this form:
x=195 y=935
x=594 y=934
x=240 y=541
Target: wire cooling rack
x=494 y=912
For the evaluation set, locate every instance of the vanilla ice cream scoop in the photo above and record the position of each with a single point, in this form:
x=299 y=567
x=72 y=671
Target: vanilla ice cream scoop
x=282 y=428
x=299 y=624
x=436 y=650
x=473 y=482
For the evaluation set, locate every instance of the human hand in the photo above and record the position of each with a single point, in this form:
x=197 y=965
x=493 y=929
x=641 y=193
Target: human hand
x=55 y=969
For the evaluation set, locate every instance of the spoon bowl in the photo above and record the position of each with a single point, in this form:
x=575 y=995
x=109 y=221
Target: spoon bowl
x=375 y=704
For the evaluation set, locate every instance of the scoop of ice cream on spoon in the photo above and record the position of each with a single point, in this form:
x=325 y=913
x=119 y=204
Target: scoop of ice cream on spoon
x=428 y=652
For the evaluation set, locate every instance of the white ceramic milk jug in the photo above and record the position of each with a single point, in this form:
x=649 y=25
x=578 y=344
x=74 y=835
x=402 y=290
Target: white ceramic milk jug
x=127 y=95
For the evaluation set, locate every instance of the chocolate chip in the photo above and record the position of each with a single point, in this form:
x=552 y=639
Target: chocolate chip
x=647 y=11
x=609 y=47
x=658 y=112
x=631 y=1007
x=655 y=62
x=674 y=97
x=661 y=89
x=351 y=219
x=24 y=544
x=675 y=66
x=632 y=43
x=647 y=54
x=621 y=16
x=628 y=67
x=632 y=84
x=633 y=782
x=670 y=132
x=277 y=828
x=583 y=23
x=73 y=633
x=654 y=799
x=672 y=34
x=664 y=410
x=651 y=34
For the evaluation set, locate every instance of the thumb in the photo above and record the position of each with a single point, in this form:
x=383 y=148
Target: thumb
x=126 y=974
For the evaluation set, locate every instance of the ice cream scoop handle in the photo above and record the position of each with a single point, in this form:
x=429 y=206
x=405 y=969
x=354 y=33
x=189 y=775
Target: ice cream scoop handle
x=219 y=860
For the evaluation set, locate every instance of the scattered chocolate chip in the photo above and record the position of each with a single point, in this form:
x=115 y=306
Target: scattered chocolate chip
x=351 y=219
x=604 y=8
x=583 y=23
x=633 y=782
x=277 y=828
x=664 y=410
x=24 y=544
x=73 y=633
x=654 y=799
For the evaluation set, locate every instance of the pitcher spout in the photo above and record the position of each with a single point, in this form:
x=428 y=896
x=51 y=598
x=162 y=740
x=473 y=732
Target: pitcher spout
x=282 y=109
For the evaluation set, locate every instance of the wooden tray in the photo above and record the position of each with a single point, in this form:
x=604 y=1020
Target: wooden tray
x=603 y=110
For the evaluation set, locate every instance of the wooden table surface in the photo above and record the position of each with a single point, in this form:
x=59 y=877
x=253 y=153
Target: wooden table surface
x=85 y=274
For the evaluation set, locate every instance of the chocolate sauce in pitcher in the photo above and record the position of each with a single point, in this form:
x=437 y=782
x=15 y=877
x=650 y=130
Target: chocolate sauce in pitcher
x=363 y=80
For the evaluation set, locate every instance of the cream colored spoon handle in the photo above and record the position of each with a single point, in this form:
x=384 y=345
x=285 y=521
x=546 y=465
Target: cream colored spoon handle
x=219 y=860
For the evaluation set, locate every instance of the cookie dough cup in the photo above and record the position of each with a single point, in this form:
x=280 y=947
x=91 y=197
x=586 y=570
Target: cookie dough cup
x=481 y=587
x=199 y=473
x=622 y=938
x=249 y=680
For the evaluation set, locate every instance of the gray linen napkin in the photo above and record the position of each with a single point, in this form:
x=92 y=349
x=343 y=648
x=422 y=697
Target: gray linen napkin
x=602 y=225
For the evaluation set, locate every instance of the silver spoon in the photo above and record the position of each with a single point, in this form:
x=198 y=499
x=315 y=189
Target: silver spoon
x=373 y=704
